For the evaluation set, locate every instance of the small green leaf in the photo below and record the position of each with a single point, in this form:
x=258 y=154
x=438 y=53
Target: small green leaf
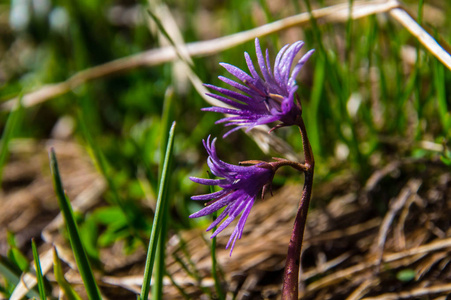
x=89 y=235
x=406 y=275
x=18 y=259
x=15 y=255
x=445 y=160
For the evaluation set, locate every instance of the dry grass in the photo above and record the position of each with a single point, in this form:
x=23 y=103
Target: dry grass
x=353 y=249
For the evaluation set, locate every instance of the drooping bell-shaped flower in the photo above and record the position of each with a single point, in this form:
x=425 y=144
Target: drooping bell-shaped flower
x=262 y=99
x=240 y=187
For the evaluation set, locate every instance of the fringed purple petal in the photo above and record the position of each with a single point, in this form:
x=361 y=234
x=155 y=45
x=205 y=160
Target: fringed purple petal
x=287 y=60
x=205 y=181
x=219 y=219
x=299 y=65
x=238 y=206
x=230 y=120
x=266 y=120
x=261 y=62
x=243 y=219
x=237 y=72
x=223 y=110
x=232 y=94
x=250 y=66
x=205 y=197
x=222 y=226
x=239 y=86
x=277 y=63
x=268 y=64
x=239 y=100
x=212 y=207
x=233 y=130
x=238 y=232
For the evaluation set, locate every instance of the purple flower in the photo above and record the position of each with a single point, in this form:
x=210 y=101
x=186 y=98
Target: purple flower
x=263 y=100
x=240 y=186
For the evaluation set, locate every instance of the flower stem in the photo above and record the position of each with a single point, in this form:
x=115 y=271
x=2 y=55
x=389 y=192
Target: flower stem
x=291 y=274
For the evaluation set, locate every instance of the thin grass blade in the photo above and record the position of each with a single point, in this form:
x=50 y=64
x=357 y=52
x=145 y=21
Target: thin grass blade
x=214 y=262
x=8 y=133
x=313 y=117
x=440 y=87
x=77 y=247
x=39 y=276
x=180 y=53
x=157 y=221
x=10 y=273
x=68 y=291
x=15 y=255
x=159 y=272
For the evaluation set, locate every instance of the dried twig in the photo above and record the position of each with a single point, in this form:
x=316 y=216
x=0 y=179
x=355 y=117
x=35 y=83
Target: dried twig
x=327 y=266
x=363 y=288
x=395 y=206
x=422 y=35
x=398 y=231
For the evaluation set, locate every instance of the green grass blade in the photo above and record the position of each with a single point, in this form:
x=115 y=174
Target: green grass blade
x=418 y=79
x=420 y=12
x=159 y=272
x=440 y=87
x=8 y=134
x=348 y=47
x=39 y=276
x=68 y=291
x=12 y=274
x=80 y=255
x=156 y=226
x=166 y=123
x=15 y=255
x=163 y=31
x=214 y=263
x=313 y=115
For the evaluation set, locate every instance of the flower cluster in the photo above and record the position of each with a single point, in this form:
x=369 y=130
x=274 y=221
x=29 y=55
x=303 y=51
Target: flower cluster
x=260 y=100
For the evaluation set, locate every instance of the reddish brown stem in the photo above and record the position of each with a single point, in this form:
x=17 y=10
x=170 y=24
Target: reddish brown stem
x=291 y=275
